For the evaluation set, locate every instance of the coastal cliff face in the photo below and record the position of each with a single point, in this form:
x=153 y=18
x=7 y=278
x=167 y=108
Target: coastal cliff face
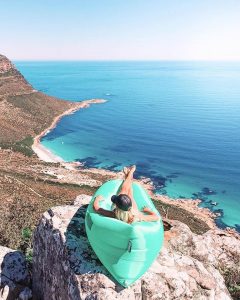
x=65 y=267
x=24 y=111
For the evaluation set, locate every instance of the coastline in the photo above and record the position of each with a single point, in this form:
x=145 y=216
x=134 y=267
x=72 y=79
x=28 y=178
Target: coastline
x=190 y=205
x=42 y=152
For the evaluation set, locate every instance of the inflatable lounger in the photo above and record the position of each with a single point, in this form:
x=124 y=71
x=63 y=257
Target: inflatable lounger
x=126 y=250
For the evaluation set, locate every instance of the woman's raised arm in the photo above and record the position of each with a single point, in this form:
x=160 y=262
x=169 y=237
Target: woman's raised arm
x=102 y=211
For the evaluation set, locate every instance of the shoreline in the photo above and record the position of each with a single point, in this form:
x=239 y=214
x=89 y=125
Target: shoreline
x=45 y=154
x=190 y=205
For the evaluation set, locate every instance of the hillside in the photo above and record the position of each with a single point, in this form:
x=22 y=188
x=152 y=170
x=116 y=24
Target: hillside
x=29 y=186
x=24 y=111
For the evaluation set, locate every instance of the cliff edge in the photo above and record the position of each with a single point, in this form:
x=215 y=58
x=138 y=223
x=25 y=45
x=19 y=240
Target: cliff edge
x=65 y=266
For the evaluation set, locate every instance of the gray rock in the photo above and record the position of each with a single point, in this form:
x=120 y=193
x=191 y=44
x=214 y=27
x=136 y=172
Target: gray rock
x=215 y=247
x=14 y=276
x=65 y=267
x=5 y=64
x=25 y=294
x=82 y=199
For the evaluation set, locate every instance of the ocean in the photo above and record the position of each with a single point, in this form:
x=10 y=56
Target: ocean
x=179 y=122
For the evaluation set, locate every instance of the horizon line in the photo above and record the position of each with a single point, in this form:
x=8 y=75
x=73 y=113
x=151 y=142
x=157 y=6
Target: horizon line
x=125 y=60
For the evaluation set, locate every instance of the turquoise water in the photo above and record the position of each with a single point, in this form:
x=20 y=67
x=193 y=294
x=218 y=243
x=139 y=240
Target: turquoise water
x=177 y=121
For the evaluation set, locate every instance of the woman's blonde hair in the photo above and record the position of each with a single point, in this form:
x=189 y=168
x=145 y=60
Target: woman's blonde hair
x=123 y=215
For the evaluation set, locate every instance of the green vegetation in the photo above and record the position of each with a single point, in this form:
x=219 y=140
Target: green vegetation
x=232 y=279
x=23 y=146
x=26 y=245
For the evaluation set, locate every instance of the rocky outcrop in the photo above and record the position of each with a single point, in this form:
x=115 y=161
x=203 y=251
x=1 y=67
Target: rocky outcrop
x=216 y=247
x=14 y=280
x=65 y=267
x=11 y=80
x=5 y=64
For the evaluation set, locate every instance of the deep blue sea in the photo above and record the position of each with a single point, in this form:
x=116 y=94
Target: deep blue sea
x=179 y=122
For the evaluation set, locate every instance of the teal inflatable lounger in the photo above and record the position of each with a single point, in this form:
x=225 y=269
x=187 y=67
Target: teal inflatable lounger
x=126 y=250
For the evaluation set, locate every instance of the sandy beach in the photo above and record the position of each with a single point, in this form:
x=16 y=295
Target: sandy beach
x=42 y=152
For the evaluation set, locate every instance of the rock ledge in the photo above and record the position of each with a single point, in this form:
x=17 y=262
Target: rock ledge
x=65 y=267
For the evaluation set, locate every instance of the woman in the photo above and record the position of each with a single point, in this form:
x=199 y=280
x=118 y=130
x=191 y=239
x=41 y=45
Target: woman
x=126 y=208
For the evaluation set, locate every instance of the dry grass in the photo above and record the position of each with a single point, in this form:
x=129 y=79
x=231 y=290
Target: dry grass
x=25 y=193
x=176 y=213
x=24 y=199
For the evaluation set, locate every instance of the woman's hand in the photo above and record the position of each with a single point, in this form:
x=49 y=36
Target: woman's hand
x=99 y=198
x=151 y=215
x=146 y=209
x=96 y=202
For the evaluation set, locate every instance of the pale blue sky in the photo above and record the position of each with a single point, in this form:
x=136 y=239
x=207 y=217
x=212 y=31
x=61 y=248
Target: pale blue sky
x=120 y=29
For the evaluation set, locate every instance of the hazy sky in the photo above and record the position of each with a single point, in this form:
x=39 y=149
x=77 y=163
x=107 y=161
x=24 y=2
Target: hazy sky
x=120 y=29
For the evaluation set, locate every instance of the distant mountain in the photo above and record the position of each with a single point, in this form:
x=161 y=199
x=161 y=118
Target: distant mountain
x=23 y=110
